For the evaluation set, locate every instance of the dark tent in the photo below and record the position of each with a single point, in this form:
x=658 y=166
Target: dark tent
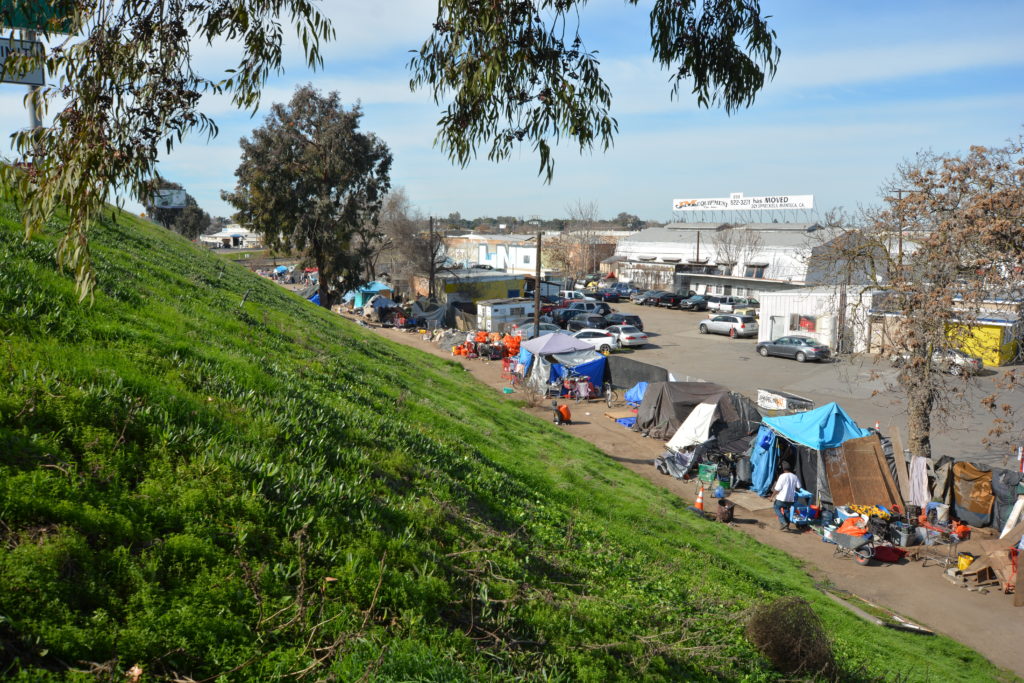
x=625 y=372
x=667 y=404
x=735 y=436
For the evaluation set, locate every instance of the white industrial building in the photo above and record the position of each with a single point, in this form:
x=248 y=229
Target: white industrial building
x=722 y=258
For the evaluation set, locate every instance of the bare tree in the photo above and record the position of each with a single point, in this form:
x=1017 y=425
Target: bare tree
x=409 y=244
x=947 y=245
x=575 y=252
x=735 y=245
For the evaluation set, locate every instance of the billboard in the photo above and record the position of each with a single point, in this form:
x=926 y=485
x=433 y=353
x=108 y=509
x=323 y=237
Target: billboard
x=169 y=199
x=737 y=202
x=10 y=46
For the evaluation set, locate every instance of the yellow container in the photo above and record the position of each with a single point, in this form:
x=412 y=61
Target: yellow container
x=964 y=560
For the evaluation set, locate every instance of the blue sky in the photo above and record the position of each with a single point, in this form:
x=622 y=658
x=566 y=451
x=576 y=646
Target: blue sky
x=861 y=87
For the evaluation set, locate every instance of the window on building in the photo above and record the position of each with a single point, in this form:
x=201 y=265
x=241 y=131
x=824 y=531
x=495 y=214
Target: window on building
x=755 y=271
x=517 y=311
x=803 y=323
x=526 y=259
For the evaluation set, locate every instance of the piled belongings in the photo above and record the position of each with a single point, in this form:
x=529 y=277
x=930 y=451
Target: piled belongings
x=666 y=405
x=487 y=345
x=995 y=566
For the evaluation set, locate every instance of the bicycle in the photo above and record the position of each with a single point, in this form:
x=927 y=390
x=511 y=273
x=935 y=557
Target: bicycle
x=581 y=388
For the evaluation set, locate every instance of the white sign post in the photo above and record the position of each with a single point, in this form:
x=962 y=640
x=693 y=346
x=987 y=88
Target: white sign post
x=737 y=202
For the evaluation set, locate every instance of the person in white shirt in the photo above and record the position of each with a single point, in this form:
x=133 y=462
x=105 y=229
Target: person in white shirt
x=785 y=493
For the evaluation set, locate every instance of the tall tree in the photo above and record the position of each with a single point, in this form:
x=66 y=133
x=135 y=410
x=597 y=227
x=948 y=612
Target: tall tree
x=946 y=247
x=309 y=180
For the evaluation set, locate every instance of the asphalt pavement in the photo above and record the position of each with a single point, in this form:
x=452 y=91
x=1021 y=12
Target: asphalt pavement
x=864 y=385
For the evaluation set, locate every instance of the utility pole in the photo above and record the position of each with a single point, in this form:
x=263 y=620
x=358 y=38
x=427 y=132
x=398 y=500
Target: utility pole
x=536 y=291
x=433 y=257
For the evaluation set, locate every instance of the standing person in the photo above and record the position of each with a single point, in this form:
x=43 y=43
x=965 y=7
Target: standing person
x=785 y=494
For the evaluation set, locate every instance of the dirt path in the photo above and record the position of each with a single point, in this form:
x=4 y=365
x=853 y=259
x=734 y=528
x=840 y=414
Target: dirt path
x=987 y=623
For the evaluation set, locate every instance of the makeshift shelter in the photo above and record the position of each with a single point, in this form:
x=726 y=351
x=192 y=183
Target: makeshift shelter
x=803 y=437
x=362 y=295
x=710 y=421
x=667 y=404
x=547 y=357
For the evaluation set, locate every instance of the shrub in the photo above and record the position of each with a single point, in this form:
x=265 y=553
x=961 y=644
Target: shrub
x=791 y=636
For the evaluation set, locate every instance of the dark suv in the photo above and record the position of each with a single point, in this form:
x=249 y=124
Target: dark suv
x=625 y=319
x=585 y=321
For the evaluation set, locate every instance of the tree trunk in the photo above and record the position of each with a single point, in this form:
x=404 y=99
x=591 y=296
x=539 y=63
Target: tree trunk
x=919 y=420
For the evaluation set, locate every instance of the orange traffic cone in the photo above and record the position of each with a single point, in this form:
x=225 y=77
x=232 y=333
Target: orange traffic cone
x=700 y=499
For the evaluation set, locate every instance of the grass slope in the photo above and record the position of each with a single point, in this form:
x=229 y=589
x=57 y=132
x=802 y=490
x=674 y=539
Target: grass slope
x=206 y=476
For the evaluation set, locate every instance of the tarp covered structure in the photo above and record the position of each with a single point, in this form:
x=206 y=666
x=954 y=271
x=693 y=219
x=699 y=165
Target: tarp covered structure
x=804 y=437
x=667 y=404
x=624 y=372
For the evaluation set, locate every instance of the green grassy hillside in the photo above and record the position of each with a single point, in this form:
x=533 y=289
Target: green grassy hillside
x=204 y=475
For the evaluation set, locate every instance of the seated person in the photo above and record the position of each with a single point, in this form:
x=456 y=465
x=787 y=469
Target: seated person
x=561 y=414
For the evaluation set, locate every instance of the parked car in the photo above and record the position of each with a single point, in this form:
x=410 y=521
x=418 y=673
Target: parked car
x=652 y=298
x=628 y=335
x=607 y=295
x=694 y=303
x=729 y=304
x=624 y=289
x=524 y=328
x=561 y=316
x=796 y=347
x=574 y=295
x=669 y=299
x=953 y=361
x=586 y=321
x=625 y=319
x=714 y=301
x=732 y=325
x=638 y=296
x=601 y=340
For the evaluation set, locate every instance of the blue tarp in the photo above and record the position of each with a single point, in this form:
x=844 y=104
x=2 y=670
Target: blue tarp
x=636 y=394
x=594 y=369
x=627 y=422
x=764 y=453
x=315 y=298
x=525 y=357
x=824 y=427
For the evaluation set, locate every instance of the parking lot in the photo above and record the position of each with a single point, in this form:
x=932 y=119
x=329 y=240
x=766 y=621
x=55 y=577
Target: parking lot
x=863 y=385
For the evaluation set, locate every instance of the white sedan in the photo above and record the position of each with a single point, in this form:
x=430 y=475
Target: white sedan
x=628 y=335
x=600 y=339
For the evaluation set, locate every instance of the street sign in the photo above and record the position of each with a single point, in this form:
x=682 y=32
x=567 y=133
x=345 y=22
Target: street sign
x=10 y=46
x=36 y=15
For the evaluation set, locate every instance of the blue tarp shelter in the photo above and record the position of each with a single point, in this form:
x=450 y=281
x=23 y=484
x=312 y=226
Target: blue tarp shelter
x=824 y=427
x=816 y=430
x=362 y=295
x=315 y=298
x=594 y=369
